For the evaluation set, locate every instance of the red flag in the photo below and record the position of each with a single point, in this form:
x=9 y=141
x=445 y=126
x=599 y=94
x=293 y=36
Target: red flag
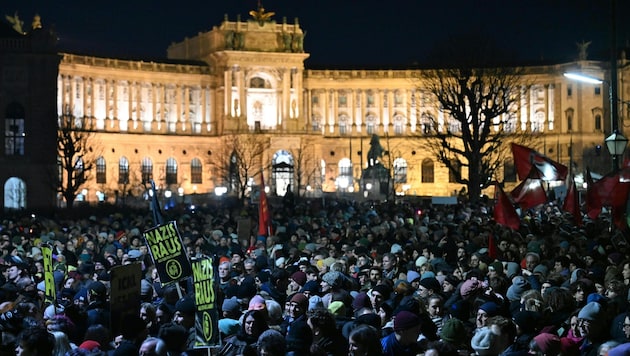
x=571 y=202
x=529 y=192
x=492 y=247
x=526 y=159
x=504 y=212
x=264 y=216
x=593 y=202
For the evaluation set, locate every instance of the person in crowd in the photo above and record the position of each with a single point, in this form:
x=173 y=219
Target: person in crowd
x=244 y=342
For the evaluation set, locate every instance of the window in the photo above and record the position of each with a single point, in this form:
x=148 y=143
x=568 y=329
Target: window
x=345 y=180
x=123 y=171
x=14 y=132
x=315 y=123
x=343 y=126
x=146 y=168
x=101 y=175
x=400 y=170
x=569 y=91
x=598 y=91
x=171 y=171
x=195 y=171
x=570 y=123
x=598 y=122
x=509 y=171
x=427 y=171
x=369 y=125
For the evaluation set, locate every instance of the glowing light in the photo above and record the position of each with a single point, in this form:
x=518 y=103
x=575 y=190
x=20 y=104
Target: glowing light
x=583 y=78
x=168 y=194
x=180 y=191
x=219 y=191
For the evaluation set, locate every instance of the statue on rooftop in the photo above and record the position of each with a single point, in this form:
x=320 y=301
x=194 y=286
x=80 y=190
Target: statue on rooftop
x=37 y=22
x=16 y=22
x=260 y=15
x=583 y=50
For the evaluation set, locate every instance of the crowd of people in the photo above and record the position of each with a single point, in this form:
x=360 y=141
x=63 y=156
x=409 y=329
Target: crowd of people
x=344 y=278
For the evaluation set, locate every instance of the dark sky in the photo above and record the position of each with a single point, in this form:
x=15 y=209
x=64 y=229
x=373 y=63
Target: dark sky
x=340 y=33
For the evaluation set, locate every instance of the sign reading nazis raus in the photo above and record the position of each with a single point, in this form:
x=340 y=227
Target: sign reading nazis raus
x=206 y=320
x=168 y=252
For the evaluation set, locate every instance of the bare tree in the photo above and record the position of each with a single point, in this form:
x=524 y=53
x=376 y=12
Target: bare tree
x=306 y=166
x=76 y=149
x=240 y=158
x=479 y=106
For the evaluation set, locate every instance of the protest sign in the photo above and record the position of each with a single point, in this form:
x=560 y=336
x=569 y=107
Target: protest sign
x=206 y=319
x=168 y=252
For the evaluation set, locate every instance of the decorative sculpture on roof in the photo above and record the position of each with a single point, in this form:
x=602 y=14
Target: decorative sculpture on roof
x=16 y=22
x=260 y=15
x=583 y=50
x=37 y=22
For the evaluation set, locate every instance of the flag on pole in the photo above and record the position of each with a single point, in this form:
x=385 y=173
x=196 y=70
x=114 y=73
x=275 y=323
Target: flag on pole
x=571 y=202
x=530 y=192
x=593 y=202
x=526 y=160
x=504 y=212
x=264 y=216
x=158 y=219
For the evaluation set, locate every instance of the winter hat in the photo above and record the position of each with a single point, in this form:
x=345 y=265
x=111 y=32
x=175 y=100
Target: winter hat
x=412 y=276
x=596 y=297
x=470 y=287
x=361 y=300
x=527 y=320
x=460 y=310
x=299 y=277
x=519 y=285
x=542 y=270
x=186 y=305
x=420 y=261
x=452 y=280
x=90 y=345
x=431 y=283
x=513 y=269
x=315 y=302
x=591 y=311
x=333 y=278
x=231 y=305
x=396 y=248
x=427 y=274
x=310 y=286
x=405 y=320
x=549 y=344
x=337 y=308
x=491 y=308
x=301 y=300
x=484 y=342
x=454 y=331
x=257 y=303
x=383 y=289
x=275 y=312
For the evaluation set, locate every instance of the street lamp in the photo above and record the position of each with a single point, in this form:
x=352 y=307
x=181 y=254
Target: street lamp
x=616 y=144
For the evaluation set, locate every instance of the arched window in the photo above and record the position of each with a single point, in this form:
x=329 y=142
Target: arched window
x=400 y=170
x=101 y=170
x=14 y=193
x=14 y=132
x=196 y=171
x=146 y=167
x=171 y=171
x=427 y=171
x=598 y=122
x=123 y=170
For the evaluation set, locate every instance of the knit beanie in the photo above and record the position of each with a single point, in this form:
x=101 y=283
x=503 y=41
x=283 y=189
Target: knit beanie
x=186 y=306
x=301 y=300
x=333 y=278
x=405 y=320
x=498 y=266
x=361 y=300
x=491 y=308
x=420 y=261
x=591 y=311
x=337 y=308
x=257 y=303
x=431 y=283
x=310 y=286
x=315 y=302
x=412 y=276
x=542 y=270
x=513 y=269
x=549 y=344
x=454 y=331
x=484 y=342
x=519 y=285
x=299 y=277
x=384 y=289
x=470 y=287
x=231 y=305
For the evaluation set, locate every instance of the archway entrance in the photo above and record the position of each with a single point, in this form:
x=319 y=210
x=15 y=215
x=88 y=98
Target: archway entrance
x=14 y=193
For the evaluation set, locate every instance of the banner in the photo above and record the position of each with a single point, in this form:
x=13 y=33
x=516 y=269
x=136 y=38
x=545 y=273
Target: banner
x=206 y=319
x=168 y=252
x=49 y=279
x=124 y=294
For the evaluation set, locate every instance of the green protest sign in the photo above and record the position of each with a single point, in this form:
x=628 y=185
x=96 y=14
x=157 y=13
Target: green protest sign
x=168 y=252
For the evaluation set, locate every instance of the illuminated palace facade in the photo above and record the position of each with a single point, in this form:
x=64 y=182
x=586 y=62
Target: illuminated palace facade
x=166 y=120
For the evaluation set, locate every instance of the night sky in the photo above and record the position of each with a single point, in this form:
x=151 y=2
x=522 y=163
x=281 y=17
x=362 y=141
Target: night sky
x=340 y=33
